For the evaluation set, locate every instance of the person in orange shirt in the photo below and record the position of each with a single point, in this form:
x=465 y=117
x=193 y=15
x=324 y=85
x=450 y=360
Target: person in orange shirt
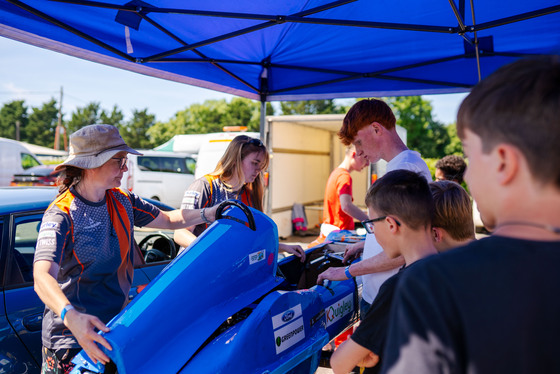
x=339 y=210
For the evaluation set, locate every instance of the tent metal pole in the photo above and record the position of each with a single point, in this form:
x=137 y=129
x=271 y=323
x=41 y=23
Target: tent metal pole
x=476 y=44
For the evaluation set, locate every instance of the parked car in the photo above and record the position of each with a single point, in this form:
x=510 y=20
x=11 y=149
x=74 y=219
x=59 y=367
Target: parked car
x=162 y=176
x=21 y=310
x=14 y=159
x=227 y=305
x=41 y=175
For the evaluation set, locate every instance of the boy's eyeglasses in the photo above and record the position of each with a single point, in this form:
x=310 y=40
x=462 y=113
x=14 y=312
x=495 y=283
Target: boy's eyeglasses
x=122 y=161
x=368 y=225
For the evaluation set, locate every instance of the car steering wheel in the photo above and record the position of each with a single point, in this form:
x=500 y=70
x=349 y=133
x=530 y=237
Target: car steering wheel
x=250 y=219
x=154 y=247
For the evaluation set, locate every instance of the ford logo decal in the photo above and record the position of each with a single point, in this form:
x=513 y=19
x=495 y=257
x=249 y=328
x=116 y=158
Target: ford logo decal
x=288 y=315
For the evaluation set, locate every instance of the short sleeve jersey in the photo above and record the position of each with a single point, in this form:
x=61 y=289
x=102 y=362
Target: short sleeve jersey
x=339 y=183
x=209 y=191
x=93 y=245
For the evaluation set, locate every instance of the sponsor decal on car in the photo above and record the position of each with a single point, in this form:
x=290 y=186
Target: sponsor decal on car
x=339 y=309
x=285 y=337
x=256 y=256
x=286 y=316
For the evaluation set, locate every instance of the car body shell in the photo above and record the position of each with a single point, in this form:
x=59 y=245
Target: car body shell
x=228 y=306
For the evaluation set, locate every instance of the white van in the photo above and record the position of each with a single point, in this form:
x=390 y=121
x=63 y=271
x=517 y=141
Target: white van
x=14 y=159
x=162 y=176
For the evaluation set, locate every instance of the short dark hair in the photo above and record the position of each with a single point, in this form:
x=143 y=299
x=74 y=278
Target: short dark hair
x=519 y=104
x=453 y=167
x=453 y=209
x=404 y=194
x=363 y=113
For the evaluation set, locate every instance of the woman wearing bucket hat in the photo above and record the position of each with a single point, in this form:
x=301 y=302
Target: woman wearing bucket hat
x=83 y=264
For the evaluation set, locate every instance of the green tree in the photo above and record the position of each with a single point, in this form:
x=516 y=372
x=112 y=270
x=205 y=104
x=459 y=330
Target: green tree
x=12 y=115
x=454 y=147
x=41 y=126
x=114 y=118
x=311 y=107
x=84 y=116
x=135 y=131
x=210 y=116
x=424 y=134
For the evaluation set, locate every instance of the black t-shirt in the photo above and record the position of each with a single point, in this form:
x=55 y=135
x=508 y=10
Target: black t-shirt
x=492 y=306
x=372 y=331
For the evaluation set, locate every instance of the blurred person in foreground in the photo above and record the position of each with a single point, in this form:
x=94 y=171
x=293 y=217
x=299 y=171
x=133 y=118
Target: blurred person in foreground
x=492 y=306
x=239 y=176
x=339 y=210
x=84 y=261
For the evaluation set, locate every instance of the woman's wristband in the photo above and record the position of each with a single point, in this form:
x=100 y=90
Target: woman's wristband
x=65 y=310
x=203 y=216
x=347 y=272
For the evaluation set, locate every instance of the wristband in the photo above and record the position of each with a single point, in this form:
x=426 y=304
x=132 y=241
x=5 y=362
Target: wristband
x=65 y=310
x=206 y=220
x=347 y=272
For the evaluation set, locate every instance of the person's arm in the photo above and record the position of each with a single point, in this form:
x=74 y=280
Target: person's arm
x=184 y=237
x=181 y=218
x=81 y=325
x=375 y=264
x=294 y=249
x=353 y=251
x=350 y=354
x=349 y=208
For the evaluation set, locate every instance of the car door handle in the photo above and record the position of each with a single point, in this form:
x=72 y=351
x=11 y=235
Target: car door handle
x=33 y=322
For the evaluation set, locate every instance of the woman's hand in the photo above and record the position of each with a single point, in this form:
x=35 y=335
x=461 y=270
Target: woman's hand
x=83 y=327
x=294 y=249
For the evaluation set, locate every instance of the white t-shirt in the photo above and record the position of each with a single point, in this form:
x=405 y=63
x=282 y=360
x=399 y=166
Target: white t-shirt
x=407 y=160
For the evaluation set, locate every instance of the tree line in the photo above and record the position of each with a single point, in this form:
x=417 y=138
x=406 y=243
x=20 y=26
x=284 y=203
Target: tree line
x=37 y=125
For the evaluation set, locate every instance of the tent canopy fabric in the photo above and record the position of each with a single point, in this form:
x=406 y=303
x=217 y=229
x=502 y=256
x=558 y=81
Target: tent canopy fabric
x=273 y=50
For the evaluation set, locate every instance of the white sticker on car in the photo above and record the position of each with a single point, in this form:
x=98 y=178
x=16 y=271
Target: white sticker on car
x=289 y=335
x=286 y=316
x=256 y=257
x=339 y=309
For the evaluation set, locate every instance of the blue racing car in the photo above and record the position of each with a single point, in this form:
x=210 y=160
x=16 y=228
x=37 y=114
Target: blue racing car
x=227 y=305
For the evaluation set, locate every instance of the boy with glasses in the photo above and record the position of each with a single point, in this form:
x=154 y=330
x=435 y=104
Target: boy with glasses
x=401 y=207
x=492 y=305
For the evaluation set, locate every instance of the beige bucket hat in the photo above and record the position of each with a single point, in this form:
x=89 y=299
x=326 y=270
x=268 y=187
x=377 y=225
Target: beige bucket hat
x=93 y=145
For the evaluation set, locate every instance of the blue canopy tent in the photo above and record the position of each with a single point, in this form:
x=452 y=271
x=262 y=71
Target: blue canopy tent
x=295 y=49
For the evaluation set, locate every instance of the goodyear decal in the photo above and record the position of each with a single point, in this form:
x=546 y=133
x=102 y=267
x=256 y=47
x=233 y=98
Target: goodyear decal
x=286 y=316
x=290 y=334
x=256 y=257
x=339 y=309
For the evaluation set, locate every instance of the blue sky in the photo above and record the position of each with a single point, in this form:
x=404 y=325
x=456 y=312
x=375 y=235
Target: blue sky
x=35 y=75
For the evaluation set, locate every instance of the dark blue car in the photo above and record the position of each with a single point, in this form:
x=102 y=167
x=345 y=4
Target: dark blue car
x=21 y=310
